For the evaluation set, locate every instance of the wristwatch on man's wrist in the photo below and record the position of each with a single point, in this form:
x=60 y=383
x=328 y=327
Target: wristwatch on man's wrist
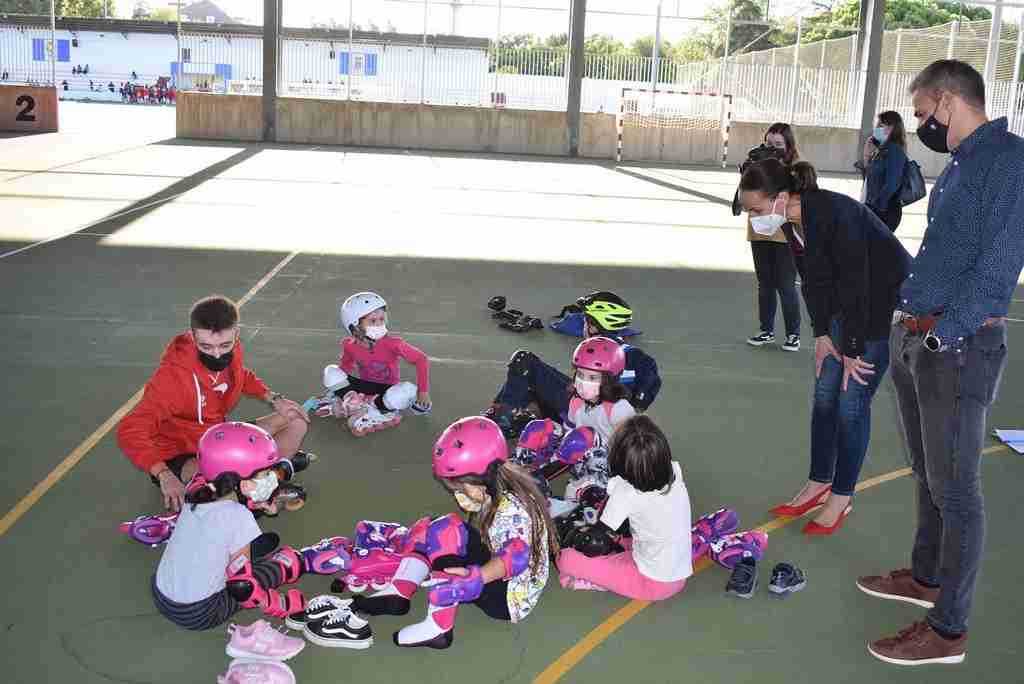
x=933 y=343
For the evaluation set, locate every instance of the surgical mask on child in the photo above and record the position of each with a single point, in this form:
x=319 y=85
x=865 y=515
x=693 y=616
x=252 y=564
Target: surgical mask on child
x=262 y=487
x=375 y=332
x=768 y=225
x=588 y=390
x=467 y=504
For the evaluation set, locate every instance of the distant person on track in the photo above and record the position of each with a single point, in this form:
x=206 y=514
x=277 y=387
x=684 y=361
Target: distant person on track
x=199 y=382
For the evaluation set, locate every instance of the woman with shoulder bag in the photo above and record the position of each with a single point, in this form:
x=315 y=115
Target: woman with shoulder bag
x=885 y=156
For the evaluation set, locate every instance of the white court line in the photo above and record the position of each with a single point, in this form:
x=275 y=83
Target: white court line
x=87 y=226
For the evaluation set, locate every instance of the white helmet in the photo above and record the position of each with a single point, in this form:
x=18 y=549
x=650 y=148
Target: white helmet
x=357 y=306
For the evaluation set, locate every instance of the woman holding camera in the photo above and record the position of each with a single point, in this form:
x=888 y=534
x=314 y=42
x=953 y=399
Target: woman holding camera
x=773 y=262
x=851 y=270
x=885 y=156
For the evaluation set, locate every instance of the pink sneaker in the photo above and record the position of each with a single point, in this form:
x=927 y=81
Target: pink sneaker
x=257 y=672
x=260 y=641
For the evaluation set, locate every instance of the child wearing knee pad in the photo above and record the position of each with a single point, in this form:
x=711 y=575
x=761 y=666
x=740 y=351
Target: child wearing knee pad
x=365 y=387
x=647 y=489
x=597 y=406
x=217 y=560
x=532 y=381
x=499 y=561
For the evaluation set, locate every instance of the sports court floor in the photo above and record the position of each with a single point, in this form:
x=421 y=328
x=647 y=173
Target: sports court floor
x=112 y=228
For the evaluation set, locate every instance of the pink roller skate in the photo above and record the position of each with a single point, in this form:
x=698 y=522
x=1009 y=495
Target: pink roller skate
x=151 y=530
x=372 y=419
x=371 y=534
x=372 y=568
x=710 y=528
x=728 y=550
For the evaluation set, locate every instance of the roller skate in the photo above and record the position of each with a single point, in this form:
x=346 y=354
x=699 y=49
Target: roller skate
x=371 y=568
x=151 y=530
x=371 y=534
x=730 y=549
x=372 y=420
x=710 y=528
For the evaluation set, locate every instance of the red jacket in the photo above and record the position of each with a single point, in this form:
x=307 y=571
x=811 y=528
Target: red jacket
x=182 y=400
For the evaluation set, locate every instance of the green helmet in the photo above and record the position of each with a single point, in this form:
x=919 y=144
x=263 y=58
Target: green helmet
x=608 y=310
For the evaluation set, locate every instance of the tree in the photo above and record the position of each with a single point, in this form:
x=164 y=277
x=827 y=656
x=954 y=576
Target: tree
x=63 y=8
x=644 y=47
x=163 y=14
x=899 y=14
x=141 y=10
x=603 y=44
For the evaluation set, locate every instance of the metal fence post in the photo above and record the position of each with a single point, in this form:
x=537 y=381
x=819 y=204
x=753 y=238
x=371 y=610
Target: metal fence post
x=271 y=62
x=348 y=74
x=53 y=44
x=577 y=36
x=796 y=72
x=1015 y=117
x=423 y=59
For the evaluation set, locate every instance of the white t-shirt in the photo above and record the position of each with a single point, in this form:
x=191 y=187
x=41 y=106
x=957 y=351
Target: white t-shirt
x=660 y=523
x=600 y=418
x=195 y=562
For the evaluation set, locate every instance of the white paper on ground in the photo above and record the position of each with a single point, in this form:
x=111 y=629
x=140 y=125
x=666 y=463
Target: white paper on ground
x=1013 y=439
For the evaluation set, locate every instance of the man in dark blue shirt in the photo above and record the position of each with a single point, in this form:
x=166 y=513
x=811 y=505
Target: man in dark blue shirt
x=948 y=349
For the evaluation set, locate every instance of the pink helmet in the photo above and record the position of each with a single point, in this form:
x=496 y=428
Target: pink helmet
x=240 y=448
x=600 y=354
x=468 y=446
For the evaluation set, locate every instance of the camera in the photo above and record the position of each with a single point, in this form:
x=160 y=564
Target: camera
x=760 y=153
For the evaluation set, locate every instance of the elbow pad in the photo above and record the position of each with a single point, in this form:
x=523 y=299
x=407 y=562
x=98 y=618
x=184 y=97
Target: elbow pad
x=515 y=556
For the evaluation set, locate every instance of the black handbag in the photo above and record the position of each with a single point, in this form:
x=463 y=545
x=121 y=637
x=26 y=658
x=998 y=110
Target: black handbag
x=913 y=188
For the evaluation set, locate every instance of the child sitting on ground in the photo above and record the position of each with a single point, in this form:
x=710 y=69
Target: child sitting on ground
x=373 y=399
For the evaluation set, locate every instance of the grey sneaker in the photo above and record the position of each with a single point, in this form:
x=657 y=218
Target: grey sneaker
x=761 y=339
x=792 y=343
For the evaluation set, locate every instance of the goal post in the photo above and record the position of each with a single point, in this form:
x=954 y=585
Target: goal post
x=675 y=117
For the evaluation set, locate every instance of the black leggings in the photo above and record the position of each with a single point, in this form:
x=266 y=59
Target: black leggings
x=776 y=272
x=494 y=599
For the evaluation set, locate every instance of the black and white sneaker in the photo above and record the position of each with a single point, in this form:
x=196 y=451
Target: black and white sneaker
x=786 y=579
x=792 y=343
x=761 y=339
x=743 y=581
x=317 y=608
x=341 y=628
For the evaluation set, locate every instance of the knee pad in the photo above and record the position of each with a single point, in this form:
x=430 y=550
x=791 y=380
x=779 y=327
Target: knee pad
x=289 y=562
x=401 y=396
x=335 y=379
x=371 y=534
x=537 y=442
x=432 y=539
x=243 y=586
x=575 y=445
x=522 y=361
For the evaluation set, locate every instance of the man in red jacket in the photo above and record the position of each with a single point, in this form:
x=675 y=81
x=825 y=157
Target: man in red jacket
x=199 y=382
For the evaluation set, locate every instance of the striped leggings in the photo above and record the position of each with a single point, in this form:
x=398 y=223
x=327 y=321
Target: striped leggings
x=217 y=608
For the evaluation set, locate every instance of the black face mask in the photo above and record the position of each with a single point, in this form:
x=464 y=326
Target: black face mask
x=214 y=363
x=932 y=134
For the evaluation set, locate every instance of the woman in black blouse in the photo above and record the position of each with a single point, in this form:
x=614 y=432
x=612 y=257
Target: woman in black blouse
x=851 y=267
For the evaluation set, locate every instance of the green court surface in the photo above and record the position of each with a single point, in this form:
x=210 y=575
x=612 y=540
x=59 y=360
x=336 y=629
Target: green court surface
x=112 y=228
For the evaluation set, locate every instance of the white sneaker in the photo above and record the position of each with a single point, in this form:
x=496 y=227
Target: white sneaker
x=372 y=420
x=792 y=343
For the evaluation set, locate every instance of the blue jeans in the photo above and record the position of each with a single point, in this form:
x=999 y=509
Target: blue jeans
x=942 y=400
x=533 y=380
x=841 y=421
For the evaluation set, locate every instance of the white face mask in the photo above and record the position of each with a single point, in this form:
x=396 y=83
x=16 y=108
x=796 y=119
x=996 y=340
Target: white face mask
x=768 y=225
x=263 y=487
x=588 y=389
x=467 y=504
x=375 y=332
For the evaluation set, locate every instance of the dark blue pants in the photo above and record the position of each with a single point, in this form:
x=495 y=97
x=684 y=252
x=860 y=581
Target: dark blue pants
x=943 y=400
x=534 y=380
x=841 y=421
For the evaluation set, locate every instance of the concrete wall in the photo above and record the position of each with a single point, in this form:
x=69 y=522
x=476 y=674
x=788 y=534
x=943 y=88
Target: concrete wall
x=219 y=117
x=378 y=124
x=829 y=149
x=598 y=136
